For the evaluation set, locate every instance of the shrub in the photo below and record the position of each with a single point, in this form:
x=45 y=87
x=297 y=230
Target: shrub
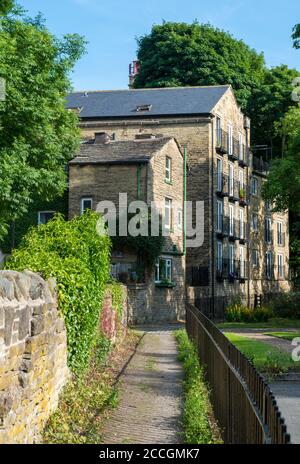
x=286 y=305
x=237 y=312
x=79 y=259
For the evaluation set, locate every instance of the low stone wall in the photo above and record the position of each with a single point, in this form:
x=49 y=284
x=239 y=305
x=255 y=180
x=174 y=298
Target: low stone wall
x=33 y=355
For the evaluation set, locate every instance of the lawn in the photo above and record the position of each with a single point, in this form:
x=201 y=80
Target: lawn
x=273 y=323
x=267 y=359
x=285 y=335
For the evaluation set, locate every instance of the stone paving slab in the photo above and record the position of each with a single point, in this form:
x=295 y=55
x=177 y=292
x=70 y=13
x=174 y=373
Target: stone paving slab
x=287 y=395
x=149 y=409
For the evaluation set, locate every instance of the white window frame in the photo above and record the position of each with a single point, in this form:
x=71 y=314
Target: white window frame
x=254 y=222
x=269 y=260
x=254 y=186
x=230 y=138
x=242 y=261
x=231 y=180
x=179 y=218
x=168 y=176
x=231 y=256
x=219 y=256
x=44 y=212
x=280 y=265
x=242 y=227
x=168 y=214
x=219 y=130
x=269 y=228
x=241 y=146
x=280 y=233
x=219 y=175
x=219 y=216
x=168 y=270
x=255 y=262
x=231 y=220
x=82 y=200
x=241 y=179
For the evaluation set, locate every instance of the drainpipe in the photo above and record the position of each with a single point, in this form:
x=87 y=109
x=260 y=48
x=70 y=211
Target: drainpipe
x=212 y=225
x=249 y=219
x=184 y=199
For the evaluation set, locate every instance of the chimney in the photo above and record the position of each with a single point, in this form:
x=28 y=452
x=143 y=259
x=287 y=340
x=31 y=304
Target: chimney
x=102 y=137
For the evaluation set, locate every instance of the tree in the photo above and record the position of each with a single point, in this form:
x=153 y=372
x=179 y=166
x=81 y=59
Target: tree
x=296 y=36
x=37 y=135
x=179 y=54
x=6 y=6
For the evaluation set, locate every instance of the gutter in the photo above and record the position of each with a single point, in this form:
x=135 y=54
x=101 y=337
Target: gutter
x=184 y=199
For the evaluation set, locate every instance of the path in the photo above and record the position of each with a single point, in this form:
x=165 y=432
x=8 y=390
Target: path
x=149 y=407
x=288 y=399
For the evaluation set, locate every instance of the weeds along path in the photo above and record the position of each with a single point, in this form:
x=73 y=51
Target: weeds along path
x=149 y=408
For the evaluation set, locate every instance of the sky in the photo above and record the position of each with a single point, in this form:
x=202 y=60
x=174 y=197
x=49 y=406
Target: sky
x=111 y=28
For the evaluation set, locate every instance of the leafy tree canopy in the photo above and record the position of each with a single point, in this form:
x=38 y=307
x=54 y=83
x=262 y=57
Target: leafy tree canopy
x=296 y=36
x=179 y=54
x=6 y=6
x=37 y=135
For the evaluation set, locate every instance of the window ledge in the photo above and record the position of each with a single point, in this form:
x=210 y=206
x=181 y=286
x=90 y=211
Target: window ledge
x=169 y=182
x=165 y=284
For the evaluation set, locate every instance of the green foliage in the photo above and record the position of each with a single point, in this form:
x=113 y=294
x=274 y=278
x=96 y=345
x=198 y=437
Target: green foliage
x=148 y=248
x=37 y=135
x=79 y=259
x=286 y=305
x=296 y=36
x=180 y=54
x=266 y=358
x=78 y=419
x=197 y=415
x=237 y=312
x=6 y=6
x=117 y=295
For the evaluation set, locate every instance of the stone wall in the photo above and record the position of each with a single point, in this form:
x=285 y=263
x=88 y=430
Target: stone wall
x=33 y=355
x=110 y=325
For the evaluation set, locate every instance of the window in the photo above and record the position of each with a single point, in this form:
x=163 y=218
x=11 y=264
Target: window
x=219 y=131
x=280 y=233
x=242 y=262
x=163 y=270
x=268 y=264
x=86 y=203
x=268 y=232
x=241 y=179
x=219 y=216
x=219 y=257
x=254 y=222
x=219 y=175
x=168 y=169
x=267 y=205
x=241 y=151
x=143 y=108
x=242 y=225
x=45 y=216
x=254 y=186
x=255 y=258
x=231 y=220
x=231 y=258
x=179 y=219
x=280 y=266
x=231 y=177
x=230 y=139
x=168 y=213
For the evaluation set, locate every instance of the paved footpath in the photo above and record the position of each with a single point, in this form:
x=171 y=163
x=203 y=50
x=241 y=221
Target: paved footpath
x=149 y=408
x=287 y=395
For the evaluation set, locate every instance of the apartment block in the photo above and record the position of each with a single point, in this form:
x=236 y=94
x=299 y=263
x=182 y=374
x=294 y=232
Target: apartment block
x=234 y=259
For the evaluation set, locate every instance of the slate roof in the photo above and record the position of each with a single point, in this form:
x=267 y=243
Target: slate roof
x=120 y=152
x=164 y=102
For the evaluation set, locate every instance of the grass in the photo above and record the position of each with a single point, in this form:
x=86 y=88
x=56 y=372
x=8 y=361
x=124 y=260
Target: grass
x=285 y=335
x=267 y=359
x=85 y=402
x=274 y=322
x=199 y=426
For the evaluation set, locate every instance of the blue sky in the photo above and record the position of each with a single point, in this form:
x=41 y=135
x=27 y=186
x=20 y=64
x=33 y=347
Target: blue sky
x=110 y=26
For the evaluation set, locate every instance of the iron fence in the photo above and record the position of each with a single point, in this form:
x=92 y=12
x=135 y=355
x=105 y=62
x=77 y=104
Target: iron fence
x=243 y=403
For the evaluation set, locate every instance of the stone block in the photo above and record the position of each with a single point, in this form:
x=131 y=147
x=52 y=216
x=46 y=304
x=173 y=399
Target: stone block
x=24 y=322
x=37 y=325
x=8 y=324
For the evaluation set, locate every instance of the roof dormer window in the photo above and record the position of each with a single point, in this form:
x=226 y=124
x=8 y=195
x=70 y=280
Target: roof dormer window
x=143 y=108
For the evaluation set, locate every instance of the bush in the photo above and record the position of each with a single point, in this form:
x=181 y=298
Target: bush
x=237 y=312
x=79 y=259
x=286 y=305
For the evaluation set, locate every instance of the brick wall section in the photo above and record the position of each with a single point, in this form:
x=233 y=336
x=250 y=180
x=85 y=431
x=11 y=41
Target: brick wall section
x=33 y=355
x=110 y=325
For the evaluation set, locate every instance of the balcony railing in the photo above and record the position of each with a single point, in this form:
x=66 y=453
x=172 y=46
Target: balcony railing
x=222 y=185
x=232 y=270
x=128 y=273
x=238 y=192
x=221 y=141
x=260 y=166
